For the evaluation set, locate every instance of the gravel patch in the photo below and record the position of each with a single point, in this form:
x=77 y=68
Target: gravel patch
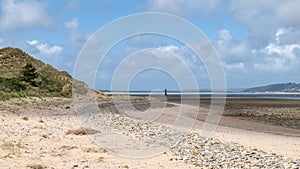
x=192 y=147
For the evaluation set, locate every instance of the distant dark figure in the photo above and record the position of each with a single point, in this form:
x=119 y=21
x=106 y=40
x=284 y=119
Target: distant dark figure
x=166 y=92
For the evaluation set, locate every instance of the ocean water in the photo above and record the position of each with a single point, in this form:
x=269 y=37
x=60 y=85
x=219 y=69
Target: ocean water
x=231 y=95
x=210 y=94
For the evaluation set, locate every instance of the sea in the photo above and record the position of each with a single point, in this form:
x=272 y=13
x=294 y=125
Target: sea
x=295 y=95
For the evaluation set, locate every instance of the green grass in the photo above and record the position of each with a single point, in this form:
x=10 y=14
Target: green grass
x=6 y=156
x=6 y=96
x=22 y=75
x=25 y=118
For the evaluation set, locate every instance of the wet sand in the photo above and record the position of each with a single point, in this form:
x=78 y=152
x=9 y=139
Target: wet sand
x=271 y=115
x=270 y=125
x=244 y=121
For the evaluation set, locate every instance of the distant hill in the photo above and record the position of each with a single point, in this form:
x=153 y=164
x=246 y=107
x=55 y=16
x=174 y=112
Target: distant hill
x=22 y=75
x=280 y=87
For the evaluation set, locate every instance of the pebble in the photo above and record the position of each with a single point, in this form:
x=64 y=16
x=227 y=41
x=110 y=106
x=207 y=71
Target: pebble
x=193 y=148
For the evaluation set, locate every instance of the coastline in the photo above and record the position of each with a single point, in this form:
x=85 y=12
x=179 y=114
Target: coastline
x=41 y=140
x=238 y=95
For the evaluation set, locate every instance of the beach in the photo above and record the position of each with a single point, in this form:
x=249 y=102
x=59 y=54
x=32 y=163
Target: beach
x=149 y=84
x=47 y=133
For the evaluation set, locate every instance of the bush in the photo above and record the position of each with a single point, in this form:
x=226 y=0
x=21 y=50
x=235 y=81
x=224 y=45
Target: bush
x=50 y=85
x=12 y=84
x=29 y=74
x=6 y=96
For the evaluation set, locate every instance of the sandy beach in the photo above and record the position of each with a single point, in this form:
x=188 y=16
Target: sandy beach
x=41 y=141
x=149 y=84
x=46 y=133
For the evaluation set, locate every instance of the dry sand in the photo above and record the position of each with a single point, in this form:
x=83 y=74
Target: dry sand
x=41 y=140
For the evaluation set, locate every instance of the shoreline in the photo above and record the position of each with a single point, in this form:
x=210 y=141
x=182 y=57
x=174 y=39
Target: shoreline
x=42 y=140
x=194 y=93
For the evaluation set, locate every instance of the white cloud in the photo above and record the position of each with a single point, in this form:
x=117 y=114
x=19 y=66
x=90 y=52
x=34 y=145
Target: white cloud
x=224 y=36
x=263 y=17
x=279 y=58
x=288 y=13
x=181 y=7
x=44 y=49
x=33 y=42
x=235 y=66
x=73 y=24
x=23 y=14
x=230 y=50
x=259 y=17
x=272 y=64
x=159 y=59
x=71 y=4
x=286 y=51
x=280 y=31
x=232 y=53
x=77 y=38
x=184 y=54
x=288 y=35
x=168 y=48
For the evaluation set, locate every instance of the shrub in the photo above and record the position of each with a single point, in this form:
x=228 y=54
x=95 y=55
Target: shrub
x=25 y=118
x=12 y=84
x=29 y=73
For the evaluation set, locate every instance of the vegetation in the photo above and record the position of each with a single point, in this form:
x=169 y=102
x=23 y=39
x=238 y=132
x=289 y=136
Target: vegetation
x=12 y=84
x=280 y=87
x=21 y=75
x=29 y=74
x=25 y=118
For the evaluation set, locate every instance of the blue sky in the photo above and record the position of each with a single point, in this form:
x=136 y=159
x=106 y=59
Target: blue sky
x=257 y=41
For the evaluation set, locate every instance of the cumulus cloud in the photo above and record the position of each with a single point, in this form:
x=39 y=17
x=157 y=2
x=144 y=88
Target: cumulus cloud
x=184 y=54
x=288 y=13
x=73 y=24
x=175 y=58
x=45 y=50
x=230 y=50
x=288 y=35
x=71 y=4
x=235 y=66
x=263 y=17
x=279 y=33
x=71 y=29
x=157 y=59
x=281 y=55
x=279 y=58
x=23 y=14
x=272 y=64
x=260 y=18
x=284 y=50
x=181 y=7
x=270 y=41
x=224 y=36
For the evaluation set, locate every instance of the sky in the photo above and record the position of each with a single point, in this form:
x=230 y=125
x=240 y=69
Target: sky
x=257 y=41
